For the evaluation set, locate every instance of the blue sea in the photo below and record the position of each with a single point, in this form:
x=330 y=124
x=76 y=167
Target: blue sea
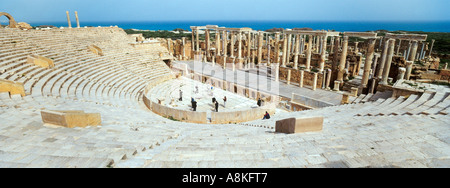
x=358 y=26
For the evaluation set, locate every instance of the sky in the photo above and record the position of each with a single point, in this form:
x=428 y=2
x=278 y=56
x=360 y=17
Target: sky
x=221 y=10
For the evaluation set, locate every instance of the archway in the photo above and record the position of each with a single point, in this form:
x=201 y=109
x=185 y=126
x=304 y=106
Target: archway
x=12 y=22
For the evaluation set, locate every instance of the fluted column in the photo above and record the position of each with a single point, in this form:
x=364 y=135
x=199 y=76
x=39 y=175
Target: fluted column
x=383 y=59
x=387 y=65
x=411 y=58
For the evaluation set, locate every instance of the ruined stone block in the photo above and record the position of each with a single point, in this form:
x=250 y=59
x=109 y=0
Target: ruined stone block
x=299 y=125
x=95 y=49
x=12 y=87
x=71 y=119
x=40 y=61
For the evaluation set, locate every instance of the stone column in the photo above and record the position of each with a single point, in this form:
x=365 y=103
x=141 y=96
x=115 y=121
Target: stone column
x=193 y=40
x=398 y=47
x=408 y=69
x=249 y=44
x=409 y=50
x=387 y=65
x=288 y=52
x=217 y=42
x=421 y=51
x=336 y=85
x=411 y=58
x=327 y=84
x=233 y=38
x=401 y=73
x=260 y=45
x=374 y=65
x=268 y=51
x=301 y=78
x=183 y=49
x=372 y=86
x=277 y=72
x=308 y=53
x=198 y=39
x=368 y=63
x=431 y=49
x=302 y=44
x=314 y=81
x=68 y=19
x=343 y=59
x=169 y=45
x=239 y=45
x=297 y=49
x=383 y=59
x=78 y=21
x=323 y=54
x=288 y=77
x=316 y=46
x=331 y=44
x=277 y=47
x=283 y=58
x=335 y=64
x=207 y=41
x=356 y=47
x=225 y=44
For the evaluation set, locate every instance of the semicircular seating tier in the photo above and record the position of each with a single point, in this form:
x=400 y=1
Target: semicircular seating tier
x=374 y=132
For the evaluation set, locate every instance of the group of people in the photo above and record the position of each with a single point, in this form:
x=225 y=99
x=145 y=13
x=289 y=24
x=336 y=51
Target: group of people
x=216 y=103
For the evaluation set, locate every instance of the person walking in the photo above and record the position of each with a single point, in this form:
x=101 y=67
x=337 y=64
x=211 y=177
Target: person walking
x=259 y=102
x=217 y=106
x=181 y=96
x=224 y=101
x=194 y=105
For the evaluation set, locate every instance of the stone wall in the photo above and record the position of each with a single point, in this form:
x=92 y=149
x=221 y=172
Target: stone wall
x=177 y=114
x=308 y=76
x=240 y=116
x=309 y=102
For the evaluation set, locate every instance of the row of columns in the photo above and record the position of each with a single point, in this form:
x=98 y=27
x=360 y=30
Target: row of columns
x=294 y=43
x=255 y=41
x=76 y=17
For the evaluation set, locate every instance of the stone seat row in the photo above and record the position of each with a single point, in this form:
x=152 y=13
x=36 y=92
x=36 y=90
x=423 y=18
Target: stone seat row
x=113 y=145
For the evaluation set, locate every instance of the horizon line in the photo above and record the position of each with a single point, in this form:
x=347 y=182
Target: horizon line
x=122 y=21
